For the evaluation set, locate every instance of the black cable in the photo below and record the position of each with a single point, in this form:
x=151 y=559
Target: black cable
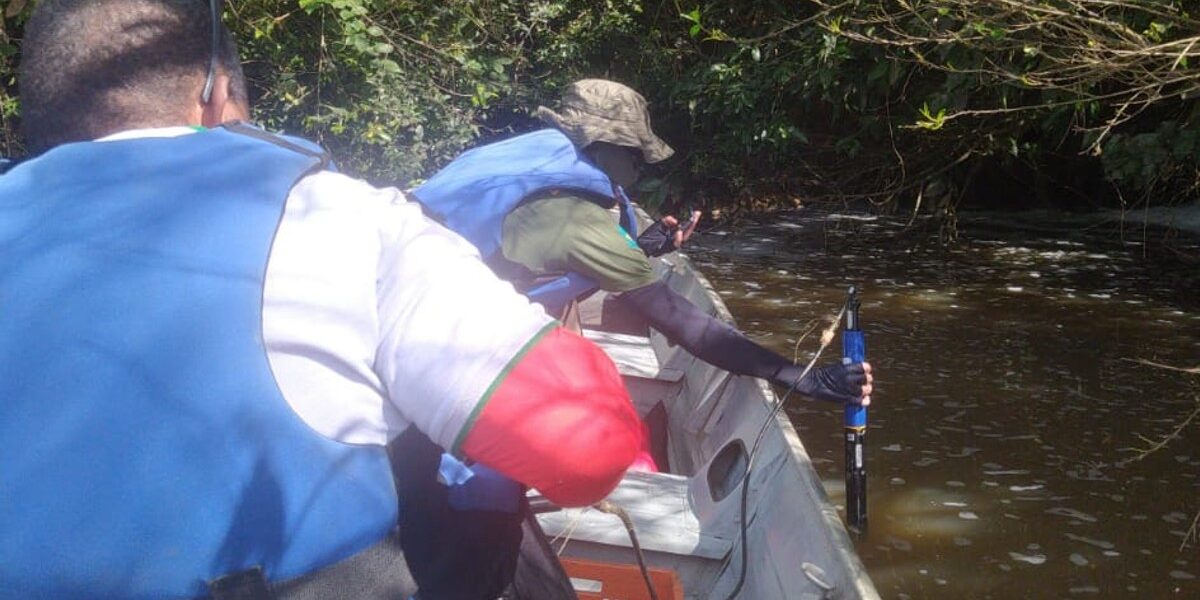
x=746 y=494
x=737 y=588
x=214 y=9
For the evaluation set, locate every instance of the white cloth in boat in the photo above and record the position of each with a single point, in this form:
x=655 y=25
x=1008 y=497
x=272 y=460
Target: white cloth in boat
x=375 y=317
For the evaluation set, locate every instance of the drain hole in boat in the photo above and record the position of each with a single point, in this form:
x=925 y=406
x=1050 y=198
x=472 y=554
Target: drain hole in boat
x=726 y=470
x=587 y=585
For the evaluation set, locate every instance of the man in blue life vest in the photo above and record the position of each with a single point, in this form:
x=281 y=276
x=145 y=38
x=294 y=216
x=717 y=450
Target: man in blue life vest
x=207 y=337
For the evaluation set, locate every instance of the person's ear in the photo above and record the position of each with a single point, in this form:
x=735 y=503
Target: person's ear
x=223 y=106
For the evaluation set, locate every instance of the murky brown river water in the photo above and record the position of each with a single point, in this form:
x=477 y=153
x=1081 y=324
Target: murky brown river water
x=1008 y=401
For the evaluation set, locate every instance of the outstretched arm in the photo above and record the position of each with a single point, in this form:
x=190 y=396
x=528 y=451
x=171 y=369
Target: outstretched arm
x=719 y=343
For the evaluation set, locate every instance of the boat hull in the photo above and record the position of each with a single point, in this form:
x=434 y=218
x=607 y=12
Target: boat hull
x=704 y=422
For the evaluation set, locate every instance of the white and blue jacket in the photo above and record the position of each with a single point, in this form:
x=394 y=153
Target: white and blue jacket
x=148 y=449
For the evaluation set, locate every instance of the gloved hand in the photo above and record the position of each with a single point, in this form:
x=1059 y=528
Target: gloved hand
x=658 y=239
x=667 y=234
x=833 y=383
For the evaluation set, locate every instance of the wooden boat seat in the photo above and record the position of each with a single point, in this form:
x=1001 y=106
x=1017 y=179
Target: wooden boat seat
x=634 y=356
x=662 y=514
x=648 y=381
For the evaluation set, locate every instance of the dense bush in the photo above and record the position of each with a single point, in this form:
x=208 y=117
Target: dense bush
x=1076 y=100
x=1016 y=102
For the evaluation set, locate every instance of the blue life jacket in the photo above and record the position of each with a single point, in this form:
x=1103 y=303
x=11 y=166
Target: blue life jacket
x=474 y=193
x=147 y=447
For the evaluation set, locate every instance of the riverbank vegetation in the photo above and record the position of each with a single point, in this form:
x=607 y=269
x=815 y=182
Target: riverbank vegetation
x=911 y=104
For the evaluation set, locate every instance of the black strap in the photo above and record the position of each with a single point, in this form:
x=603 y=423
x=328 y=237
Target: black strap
x=251 y=131
x=242 y=585
x=377 y=573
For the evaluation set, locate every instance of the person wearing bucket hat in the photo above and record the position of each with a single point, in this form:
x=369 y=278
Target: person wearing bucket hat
x=612 y=123
x=538 y=206
x=597 y=110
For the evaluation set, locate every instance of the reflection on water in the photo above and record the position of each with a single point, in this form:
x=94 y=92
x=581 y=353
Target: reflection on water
x=1008 y=402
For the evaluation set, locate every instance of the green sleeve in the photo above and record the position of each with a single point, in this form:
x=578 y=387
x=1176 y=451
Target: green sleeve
x=563 y=233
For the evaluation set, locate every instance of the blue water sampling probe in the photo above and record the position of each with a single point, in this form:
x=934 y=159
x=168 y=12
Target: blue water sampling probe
x=854 y=350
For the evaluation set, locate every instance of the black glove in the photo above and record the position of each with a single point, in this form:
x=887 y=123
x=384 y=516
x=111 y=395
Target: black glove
x=832 y=383
x=658 y=239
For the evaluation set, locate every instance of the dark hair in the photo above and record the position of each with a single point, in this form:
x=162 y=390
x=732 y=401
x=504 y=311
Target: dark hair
x=90 y=68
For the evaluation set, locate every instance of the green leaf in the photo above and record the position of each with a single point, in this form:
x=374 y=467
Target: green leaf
x=311 y=5
x=930 y=121
x=693 y=17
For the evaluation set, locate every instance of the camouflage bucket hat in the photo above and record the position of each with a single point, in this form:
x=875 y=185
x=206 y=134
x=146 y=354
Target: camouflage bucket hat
x=596 y=110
